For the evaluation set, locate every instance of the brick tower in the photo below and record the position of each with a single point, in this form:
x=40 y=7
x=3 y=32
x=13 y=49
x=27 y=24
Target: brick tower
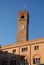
x=23 y=20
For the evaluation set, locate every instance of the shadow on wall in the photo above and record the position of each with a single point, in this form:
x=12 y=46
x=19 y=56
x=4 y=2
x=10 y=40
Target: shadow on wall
x=11 y=59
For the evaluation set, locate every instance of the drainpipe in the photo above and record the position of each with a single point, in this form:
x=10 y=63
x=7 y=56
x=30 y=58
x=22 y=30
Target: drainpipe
x=30 y=54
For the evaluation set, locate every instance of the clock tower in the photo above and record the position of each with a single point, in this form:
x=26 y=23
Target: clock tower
x=23 y=21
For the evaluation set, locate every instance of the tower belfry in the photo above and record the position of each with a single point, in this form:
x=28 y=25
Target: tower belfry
x=23 y=20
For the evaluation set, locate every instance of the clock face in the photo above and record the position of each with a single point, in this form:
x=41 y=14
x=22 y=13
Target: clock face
x=22 y=27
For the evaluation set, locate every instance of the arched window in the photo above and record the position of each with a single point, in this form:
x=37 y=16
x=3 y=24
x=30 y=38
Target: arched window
x=13 y=61
x=5 y=61
x=36 y=59
x=24 y=60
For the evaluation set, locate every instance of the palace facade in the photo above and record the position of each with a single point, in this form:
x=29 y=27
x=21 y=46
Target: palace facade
x=24 y=52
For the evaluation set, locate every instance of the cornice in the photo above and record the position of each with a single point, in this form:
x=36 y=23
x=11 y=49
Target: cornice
x=25 y=43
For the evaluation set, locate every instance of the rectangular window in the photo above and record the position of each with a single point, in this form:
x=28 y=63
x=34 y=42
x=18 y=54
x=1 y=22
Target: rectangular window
x=24 y=49
x=36 y=47
x=36 y=60
x=14 y=51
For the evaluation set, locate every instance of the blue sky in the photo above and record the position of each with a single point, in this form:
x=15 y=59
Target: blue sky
x=9 y=19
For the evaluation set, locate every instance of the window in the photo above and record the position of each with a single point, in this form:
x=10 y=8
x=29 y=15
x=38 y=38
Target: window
x=14 y=51
x=36 y=47
x=36 y=60
x=1 y=52
x=22 y=62
x=6 y=52
x=4 y=61
x=24 y=49
x=26 y=61
x=13 y=61
x=0 y=62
